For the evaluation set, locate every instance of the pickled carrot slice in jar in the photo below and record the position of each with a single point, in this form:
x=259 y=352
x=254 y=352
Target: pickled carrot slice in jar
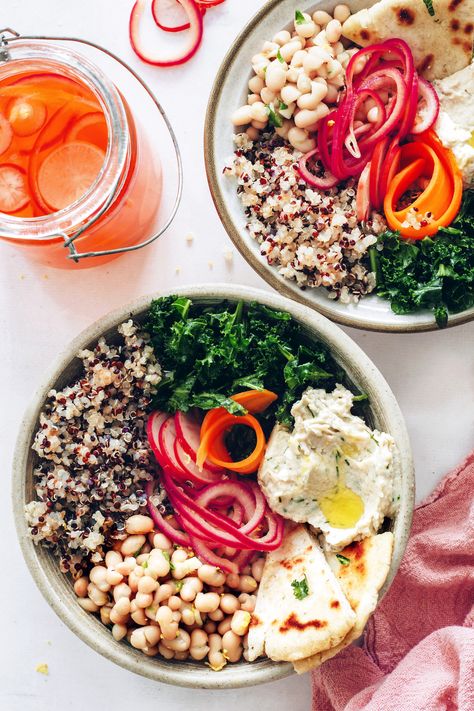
x=13 y=188
x=68 y=172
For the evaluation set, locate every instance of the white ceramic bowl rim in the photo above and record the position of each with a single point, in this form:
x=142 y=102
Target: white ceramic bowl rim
x=56 y=587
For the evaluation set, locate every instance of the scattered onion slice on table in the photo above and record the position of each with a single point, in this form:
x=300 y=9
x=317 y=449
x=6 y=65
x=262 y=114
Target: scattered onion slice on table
x=166 y=7
x=159 y=59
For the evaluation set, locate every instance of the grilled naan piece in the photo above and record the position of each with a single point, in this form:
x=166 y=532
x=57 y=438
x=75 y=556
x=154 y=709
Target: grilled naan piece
x=441 y=43
x=301 y=609
x=361 y=580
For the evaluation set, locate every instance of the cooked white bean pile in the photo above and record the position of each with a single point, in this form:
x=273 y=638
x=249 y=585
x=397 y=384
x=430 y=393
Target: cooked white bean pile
x=164 y=601
x=297 y=78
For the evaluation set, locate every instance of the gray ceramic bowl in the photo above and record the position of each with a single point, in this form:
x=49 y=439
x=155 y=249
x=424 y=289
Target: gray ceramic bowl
x=57 y=588
x=228 y=93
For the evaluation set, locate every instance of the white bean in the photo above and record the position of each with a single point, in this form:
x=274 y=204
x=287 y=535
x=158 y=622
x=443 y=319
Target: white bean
x=105 y=614
x=252 y=98
x=113 y=577
x=132 y=545
x=267 y=96
x=275 y=77
x=216 y=659
x=180 y=643
x=100 y=598
x=288 y=112
x=159 y=564
x=127 y=566
x=290 y=93
x=138 y=639
x=112 y=559
x=207 y=602
x=259 y=125
x=88 y=605
x=229 y=603
x=121 y=590
x=257 y=568
x=160 y=541
x=270 y=49
x=152 y=634
x=258 y=112
x=164 y=617
x=311 y=101
x=255 y=85
x=147 y=584
x=98 y=575
x=341 y=13
x=190 y=589
x=300 y=140
x=304 y=83
x=122 y=607
x=284 y=128
x=242 y=116
x=198 y=647
x=282 y=37
x=298 y=58
x=119 y=632
x=252 y=133
x=80 y=586
x=320 y=17
x=247 y=583
x=333 y=31
x=217 y=615
x=138 y=523
x=210 y=575
x=247 y=602
x=288 y=50
x=232 y=646
x=240 y=622
x=293 y=74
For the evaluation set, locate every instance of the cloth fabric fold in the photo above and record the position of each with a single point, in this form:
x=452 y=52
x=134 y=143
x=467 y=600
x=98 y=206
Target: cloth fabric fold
x=418 y=651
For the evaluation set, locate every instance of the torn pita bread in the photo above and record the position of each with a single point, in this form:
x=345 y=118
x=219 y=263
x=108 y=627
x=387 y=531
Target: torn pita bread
x=287 y=628
x=441 y=43
x=361 y=581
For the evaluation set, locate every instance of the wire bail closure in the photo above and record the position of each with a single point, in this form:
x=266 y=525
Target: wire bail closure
x=70 y=239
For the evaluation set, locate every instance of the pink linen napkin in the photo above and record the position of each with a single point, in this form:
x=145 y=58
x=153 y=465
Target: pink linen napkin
x=418 y=652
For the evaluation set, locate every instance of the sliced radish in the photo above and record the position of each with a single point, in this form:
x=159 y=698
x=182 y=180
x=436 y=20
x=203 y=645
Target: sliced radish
x=26 y=116
x=187 y=463
x=169 y=15
x=6 y=134
x=160 y=59
x=13 y=188
x=188 y=431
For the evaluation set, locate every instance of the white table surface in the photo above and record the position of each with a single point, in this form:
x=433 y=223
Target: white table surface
x=41 y=309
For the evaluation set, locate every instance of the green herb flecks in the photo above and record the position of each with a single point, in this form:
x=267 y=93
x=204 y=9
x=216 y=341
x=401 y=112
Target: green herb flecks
x=342 y=559
x=274 y=118
x=178 y=584
x=279 y=57
x=300 y=588
x=434 y=273
x=300 y=19
x=429 y=7
x=167 y=557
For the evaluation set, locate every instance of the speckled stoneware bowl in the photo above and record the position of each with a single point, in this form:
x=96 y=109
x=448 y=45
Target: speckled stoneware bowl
x=57 y=588
x=228 y=93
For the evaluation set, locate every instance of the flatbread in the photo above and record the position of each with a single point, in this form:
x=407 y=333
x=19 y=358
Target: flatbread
x=441 y=43
x=286 y=628
x=361 y=581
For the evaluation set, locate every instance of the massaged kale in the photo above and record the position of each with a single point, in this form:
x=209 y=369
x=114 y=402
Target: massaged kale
x=435 y=273
x=210 y=353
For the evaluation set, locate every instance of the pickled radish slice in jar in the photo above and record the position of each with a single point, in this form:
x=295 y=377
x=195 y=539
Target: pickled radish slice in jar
x=13 y=188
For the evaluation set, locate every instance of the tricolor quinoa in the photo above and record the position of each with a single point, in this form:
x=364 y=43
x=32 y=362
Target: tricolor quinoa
x=312 y=237
x=93 y=454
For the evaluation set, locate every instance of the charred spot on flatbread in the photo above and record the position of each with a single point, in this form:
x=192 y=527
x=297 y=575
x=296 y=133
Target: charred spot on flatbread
x=454 y=4
x=354 y=550
x=469 y=28
x=455 y=25
x=426 y=63
x=255 y=621
x=293 y=623
x=335 y=604
x=405 y=16
x=365 y=35
x=290 y=564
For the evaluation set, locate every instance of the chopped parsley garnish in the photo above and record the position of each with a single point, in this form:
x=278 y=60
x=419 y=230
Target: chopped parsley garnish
x=279 y=57
x=429 y=7
x=274 y=118
x=179 y=584
x=145 y=565
x=342 y=559
x=300 y=588
x=283 y=106
x=167 y=557
x=300 y=19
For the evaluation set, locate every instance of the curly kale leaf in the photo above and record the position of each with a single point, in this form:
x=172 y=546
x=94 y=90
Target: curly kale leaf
x=435 y=273
x=210 y=353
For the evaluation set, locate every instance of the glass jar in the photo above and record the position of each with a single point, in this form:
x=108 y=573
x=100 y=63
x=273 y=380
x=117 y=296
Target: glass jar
x=120 y=210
